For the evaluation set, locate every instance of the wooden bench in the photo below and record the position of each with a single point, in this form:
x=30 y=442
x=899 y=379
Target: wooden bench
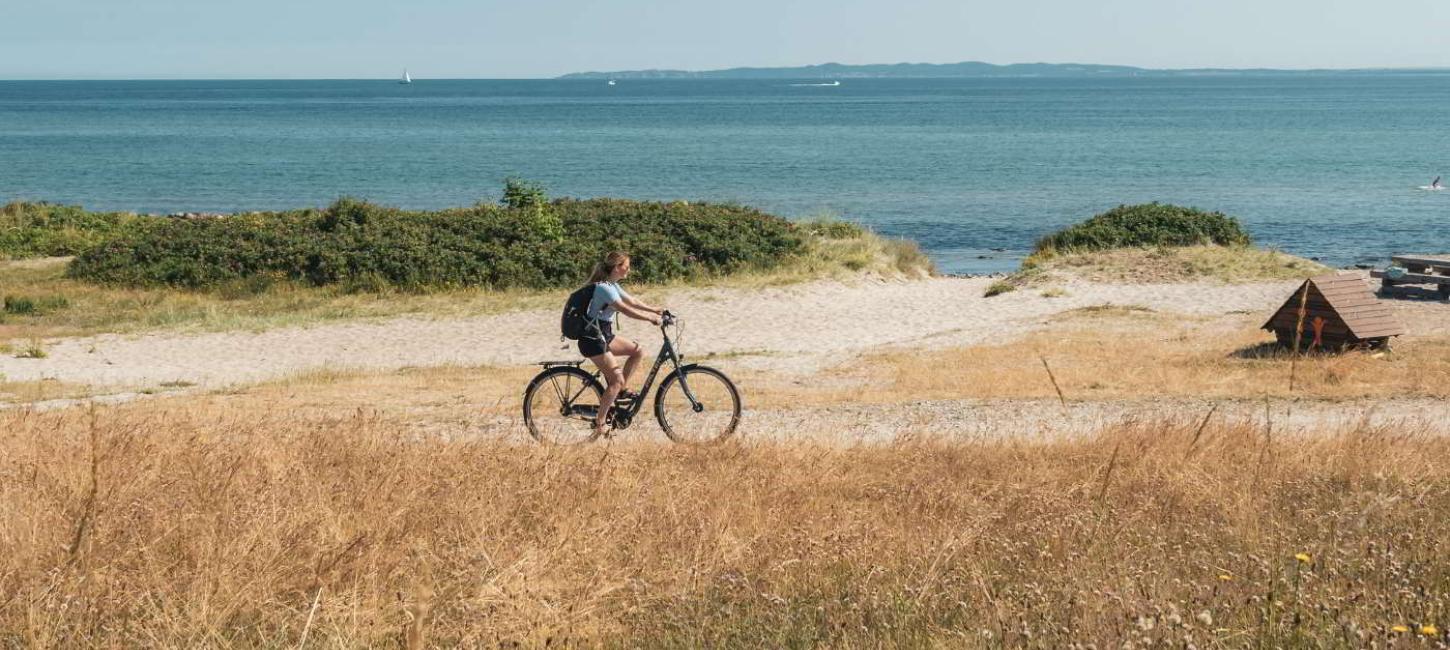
x=1422 y=269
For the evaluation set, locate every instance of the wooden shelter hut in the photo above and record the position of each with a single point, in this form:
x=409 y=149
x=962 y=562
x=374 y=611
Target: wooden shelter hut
x=1340 y=311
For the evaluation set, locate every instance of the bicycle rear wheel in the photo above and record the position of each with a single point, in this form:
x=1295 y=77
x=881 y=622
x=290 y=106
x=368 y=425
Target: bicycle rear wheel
x=696 y=405
x=560 y=405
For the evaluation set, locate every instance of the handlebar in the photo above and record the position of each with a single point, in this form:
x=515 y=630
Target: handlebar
x=667 y=319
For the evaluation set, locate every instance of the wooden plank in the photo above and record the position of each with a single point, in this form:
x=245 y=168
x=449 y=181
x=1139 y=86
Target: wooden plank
x=1366 y=312
x=1384 y=331
x=1416 y=258
x=1359 y=309
x=1415 y=278
x=1378 y=329
x=1374 y=322
x=1358 y=296
x=1354 y=284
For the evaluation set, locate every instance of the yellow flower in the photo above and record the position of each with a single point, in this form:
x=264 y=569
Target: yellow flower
x=1429 y=630
x=1225 y=577
x=1303 y=557
x=1400 y=629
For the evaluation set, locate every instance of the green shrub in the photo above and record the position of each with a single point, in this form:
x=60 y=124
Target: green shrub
x=365 y=247
x=1148 y=224
x=519 y=193
x=45 y=230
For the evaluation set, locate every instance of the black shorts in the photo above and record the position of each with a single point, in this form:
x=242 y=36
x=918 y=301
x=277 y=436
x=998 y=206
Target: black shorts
x=590 y=345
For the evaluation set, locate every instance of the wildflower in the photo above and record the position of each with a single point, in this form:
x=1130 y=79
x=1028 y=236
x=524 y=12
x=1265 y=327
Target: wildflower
x=1303 y=557
x=1399 y=629
x=1429 y=630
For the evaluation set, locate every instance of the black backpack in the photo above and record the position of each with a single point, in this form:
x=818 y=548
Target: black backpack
x=574 y=324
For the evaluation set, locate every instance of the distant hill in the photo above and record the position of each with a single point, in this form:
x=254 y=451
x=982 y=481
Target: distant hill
x=963 y=69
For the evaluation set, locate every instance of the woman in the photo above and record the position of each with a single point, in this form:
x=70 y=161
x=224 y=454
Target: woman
x=599 y=342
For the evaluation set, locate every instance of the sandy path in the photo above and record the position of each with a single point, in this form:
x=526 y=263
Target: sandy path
x=1018 y=419
x=796 y=329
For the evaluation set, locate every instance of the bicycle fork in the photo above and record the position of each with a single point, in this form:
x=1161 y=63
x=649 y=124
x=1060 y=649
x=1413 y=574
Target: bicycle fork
x=695 y=404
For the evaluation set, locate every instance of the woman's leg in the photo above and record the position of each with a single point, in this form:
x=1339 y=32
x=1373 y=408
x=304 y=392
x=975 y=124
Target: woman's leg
x=614 y=380
x=633 y=353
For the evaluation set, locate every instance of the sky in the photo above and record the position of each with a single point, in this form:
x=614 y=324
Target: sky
x=274 y=39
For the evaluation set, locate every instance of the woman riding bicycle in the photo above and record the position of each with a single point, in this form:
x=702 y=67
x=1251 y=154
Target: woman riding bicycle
x=599 y=343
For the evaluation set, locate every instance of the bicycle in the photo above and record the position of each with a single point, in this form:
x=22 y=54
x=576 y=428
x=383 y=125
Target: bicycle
x=695 y=404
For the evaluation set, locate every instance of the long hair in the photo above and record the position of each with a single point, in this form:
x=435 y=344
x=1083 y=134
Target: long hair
x=607 y=266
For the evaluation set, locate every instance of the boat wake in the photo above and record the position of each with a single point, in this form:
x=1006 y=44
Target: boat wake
x=817 y=85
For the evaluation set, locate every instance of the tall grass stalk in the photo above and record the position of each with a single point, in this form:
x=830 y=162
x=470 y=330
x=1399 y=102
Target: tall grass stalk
x=219 y=526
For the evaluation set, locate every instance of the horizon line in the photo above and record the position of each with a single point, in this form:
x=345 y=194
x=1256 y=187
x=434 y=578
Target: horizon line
x=559 y=77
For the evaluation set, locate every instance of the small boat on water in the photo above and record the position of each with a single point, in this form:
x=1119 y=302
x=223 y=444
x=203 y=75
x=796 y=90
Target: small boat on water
x=611 y=82
x=406 y=79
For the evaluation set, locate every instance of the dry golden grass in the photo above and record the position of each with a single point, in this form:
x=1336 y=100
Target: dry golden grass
x=163 y=525
x=23 y=392
x=1128 y=353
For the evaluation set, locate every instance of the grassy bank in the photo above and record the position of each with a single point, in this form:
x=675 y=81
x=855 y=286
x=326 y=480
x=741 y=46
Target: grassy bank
x=1210 y=263
x=1152 y=242
x=65 y=306
x=175 y=526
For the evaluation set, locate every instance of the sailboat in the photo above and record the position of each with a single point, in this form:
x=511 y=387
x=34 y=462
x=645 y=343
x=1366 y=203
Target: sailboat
x=406 y=79
x=611 y=82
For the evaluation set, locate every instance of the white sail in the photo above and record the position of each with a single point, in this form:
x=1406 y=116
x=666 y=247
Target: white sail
x=406 y=79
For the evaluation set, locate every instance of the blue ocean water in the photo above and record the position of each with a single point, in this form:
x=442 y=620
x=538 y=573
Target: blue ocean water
x=1321 y=166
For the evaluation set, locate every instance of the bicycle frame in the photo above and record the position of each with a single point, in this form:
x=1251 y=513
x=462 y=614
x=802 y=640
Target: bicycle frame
x=667 y=353
x=622 y=417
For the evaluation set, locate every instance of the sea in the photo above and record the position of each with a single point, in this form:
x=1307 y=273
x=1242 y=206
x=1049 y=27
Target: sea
x=1333 y=167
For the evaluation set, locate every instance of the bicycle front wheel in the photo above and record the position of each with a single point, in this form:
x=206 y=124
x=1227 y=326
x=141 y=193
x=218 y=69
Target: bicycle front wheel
x=560 y=405
x=696 y=405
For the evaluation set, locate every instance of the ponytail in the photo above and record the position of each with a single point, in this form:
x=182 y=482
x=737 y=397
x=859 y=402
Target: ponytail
x=607 y=266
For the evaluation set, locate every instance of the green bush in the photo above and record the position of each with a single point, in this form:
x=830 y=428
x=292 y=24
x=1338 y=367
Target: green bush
x=45 y=230
x=361 y=246
x=1148 y=224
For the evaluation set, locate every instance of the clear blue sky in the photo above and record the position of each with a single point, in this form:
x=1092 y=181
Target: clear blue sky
x=97 y=39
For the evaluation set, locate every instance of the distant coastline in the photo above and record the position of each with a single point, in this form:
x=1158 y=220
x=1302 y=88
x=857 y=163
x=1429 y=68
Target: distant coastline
x=972 y=69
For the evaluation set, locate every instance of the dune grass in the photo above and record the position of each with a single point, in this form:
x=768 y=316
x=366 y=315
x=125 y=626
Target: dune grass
x=166 y=525
x=80 y=308
x=1207 y=263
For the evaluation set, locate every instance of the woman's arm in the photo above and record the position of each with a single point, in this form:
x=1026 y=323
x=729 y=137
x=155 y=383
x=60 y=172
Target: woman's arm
x=639 y=304
x=624 y=307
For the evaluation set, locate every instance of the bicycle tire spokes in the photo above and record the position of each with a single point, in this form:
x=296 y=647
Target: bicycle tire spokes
x=560 y=413
x=698 y=405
